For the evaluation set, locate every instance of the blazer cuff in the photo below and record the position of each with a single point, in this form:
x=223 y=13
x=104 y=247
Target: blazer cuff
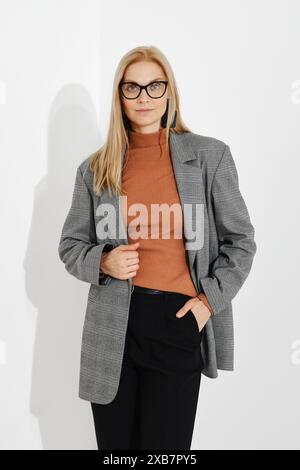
x=105 y=278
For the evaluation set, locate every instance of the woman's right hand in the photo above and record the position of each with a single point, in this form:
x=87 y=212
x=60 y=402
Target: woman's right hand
x=121 y=262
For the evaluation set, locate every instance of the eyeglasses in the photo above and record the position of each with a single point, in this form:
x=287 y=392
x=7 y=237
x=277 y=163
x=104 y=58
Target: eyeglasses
x=132 y=90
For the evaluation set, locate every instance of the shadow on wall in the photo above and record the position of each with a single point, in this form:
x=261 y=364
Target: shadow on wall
x=65 y=421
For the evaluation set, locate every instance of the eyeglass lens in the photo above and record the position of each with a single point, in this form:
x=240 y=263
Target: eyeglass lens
x=155 y=89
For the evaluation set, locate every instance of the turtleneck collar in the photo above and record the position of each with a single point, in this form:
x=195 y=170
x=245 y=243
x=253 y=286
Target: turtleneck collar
x=139 y=139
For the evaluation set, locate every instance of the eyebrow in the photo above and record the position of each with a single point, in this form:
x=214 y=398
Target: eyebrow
x=153 y=80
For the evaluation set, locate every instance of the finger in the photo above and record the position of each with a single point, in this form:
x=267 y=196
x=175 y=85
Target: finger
x=134 y=266
x=127 y=276
x=186 y=307
x=131 y=274
x=133 y=255
x=131 y=269
x=182 y=311
x=129 y=247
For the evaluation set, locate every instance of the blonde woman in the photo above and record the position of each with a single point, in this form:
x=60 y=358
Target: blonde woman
x=159 y=229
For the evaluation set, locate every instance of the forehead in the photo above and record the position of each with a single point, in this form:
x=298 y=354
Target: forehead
x=144 y=72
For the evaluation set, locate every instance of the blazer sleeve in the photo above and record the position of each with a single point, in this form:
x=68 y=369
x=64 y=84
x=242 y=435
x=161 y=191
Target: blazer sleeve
x=237 y=246
x=78 y=248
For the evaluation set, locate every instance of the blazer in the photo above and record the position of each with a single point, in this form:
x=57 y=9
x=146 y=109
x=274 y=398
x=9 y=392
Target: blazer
x=205 y=174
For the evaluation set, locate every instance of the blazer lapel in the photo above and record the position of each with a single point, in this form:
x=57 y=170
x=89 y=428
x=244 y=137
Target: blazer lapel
x=190 y=188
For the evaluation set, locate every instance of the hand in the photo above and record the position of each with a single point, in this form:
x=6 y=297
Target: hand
x=198 y=308
x=121 y=262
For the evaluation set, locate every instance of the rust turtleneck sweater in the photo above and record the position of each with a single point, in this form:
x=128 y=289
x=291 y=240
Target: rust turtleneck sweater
x=148 y=179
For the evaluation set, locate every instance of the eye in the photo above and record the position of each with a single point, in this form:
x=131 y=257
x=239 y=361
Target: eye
x=156 y=86
x=130 y=87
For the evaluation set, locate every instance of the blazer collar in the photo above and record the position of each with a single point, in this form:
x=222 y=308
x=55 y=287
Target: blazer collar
x=181 y=147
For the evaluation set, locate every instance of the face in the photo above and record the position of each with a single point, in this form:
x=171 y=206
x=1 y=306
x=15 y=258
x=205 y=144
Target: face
x=144 y=73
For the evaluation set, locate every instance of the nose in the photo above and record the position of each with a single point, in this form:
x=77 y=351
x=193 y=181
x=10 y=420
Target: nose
x=143 y=95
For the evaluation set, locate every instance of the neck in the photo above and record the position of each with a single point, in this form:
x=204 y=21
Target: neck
x=140 y=139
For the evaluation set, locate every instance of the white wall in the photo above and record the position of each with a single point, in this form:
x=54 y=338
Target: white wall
x=238 y=72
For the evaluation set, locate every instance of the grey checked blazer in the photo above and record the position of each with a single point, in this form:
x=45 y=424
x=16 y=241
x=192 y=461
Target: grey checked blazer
x=205 y=173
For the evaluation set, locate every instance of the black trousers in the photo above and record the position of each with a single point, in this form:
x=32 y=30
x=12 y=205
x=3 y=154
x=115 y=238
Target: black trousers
x=156 y=402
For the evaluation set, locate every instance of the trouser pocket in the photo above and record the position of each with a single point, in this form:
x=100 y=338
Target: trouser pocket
x=185 y=328
x=191 y=315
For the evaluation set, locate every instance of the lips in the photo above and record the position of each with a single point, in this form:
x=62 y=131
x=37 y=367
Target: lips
x=143 y=110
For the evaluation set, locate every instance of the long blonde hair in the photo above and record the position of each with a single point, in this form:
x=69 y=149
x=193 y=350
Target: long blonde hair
x=106 y=162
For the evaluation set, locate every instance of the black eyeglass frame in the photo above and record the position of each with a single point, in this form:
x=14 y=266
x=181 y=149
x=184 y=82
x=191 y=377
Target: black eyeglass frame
x=142 y=87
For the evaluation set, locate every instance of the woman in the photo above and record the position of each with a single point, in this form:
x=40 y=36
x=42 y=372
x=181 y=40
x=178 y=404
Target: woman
x=159 y=311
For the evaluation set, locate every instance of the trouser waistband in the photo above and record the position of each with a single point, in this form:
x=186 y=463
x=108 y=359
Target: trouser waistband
x=147 y=290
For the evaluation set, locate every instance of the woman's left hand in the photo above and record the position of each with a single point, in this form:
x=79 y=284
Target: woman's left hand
x=198 y=308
